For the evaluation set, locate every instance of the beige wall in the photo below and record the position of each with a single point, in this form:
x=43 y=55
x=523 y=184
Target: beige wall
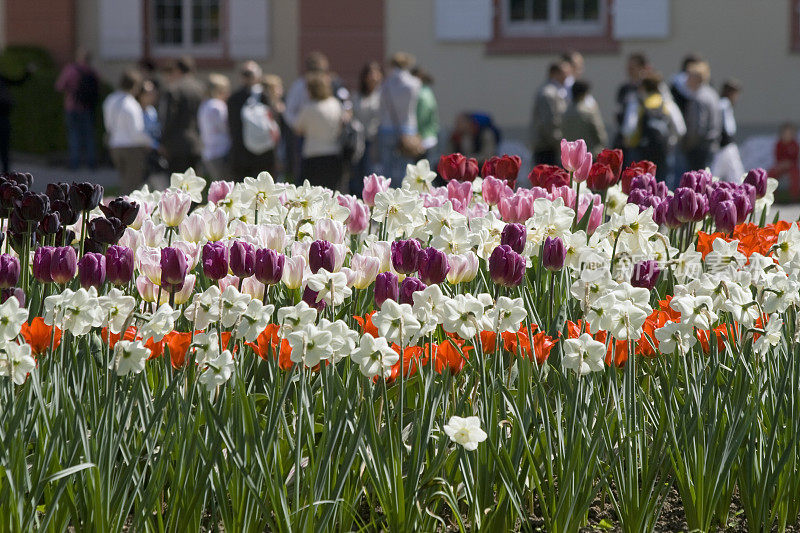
x=746 y=39
x=282 y=59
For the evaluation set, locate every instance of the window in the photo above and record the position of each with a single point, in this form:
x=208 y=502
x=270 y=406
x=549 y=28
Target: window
x=554 y=17
x=186 y=26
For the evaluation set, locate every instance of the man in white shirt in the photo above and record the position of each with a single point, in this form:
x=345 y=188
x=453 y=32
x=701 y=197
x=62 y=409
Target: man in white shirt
x=128 y=141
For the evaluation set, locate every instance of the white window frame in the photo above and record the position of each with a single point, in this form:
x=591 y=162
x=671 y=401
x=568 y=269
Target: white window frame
x=213 y=50
x=554 y=26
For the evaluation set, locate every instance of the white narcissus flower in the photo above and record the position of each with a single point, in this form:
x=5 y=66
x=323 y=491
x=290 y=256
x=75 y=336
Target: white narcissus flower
x=506 y=315
x=779 y=292
x=428 y=308
x=773 y=333
x=688 y=265
x=161 y=323
x=233 y=303
x=190 y=183
x=584 y=355
x=396 y=322
x=788 y=244
x=129 y=357
x=310 y=345
x=740 y=304
x=695 y=310
x=254 y=319
x=330 y=287
x=204 y=309
x=343 y=339
x=374 y=356
x=55 y=307
x=675 y=336
x=81 y=312
x=551 y=218
x=463 y=315
x=626 y=320
x=295 y=317
x=419 y=176
x=206 y=346
x=12 y=316
x=397 y=208
x=465 y=431
x=16 y=361
x=724 y=255
x=217 y=371
x=591 y=285
x=115 y=309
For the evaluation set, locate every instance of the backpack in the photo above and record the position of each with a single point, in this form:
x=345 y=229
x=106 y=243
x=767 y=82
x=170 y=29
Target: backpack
x=655 y=127
x=88 y=92
x=260 y=131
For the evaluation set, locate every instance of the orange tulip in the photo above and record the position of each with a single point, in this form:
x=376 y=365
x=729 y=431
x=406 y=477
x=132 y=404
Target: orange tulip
x=39 y=336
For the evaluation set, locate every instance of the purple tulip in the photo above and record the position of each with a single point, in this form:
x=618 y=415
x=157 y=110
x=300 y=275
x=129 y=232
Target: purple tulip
x=269 y=266
x=386 y=288
x=243 y=259
x=645 y=274
x=506 y=267
x=215 y=260
x=9 y=271
x=670 y=219
x=646 y=182
x=514 y=235
x=758 y=179
x=63 y=264
x=433 y=266
x=92 y=270
x=697 y=180
x=321 y=255
x=119 y=265
x=685 y=204
x=310 y=297
x=743 y=206
x=405 y=256
x=42 y=258
x=16 y=292
x=408 y=287
x=725 y=216
x=174 y=267
x=553 y=254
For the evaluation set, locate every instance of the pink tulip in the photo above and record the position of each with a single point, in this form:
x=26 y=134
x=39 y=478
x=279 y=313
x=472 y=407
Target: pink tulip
x=186 y=292
x=228 y=281
x=460 y=191
x=174 y=206
x=463 y=267
x=147 y=289
x=494 y=190
x=293 y=272
x=193 y=228
x=358 y=221
x=219 y=190
x=566 y=193
x=373 y=184
x=326 y=229
x=576 y=159
x=253 y=287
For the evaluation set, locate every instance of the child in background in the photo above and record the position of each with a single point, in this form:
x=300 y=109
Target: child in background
x=212 y=119
x=787 y=166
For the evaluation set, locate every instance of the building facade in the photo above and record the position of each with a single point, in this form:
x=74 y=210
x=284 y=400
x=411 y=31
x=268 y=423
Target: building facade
x=487 y=55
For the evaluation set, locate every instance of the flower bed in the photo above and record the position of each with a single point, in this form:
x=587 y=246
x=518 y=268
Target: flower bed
x=467 y=357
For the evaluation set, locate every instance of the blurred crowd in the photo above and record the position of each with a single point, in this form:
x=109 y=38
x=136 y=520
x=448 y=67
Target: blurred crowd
x=160 y=121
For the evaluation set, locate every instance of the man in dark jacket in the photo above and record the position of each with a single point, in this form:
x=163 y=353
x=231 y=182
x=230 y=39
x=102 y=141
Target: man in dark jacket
x=180 y=137
x=703 y=118
x=245 y=163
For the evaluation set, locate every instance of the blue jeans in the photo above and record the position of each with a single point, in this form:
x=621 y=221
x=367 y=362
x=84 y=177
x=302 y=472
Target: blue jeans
x=80 y=138
x=393 y=163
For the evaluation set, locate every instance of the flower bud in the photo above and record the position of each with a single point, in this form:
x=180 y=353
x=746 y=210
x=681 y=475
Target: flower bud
x=219 y=190
x=92 y=270
x=106 y=230
x=310 y=297
x=504 y=168
x=373 y=184
x=242 y=258
x=269 y=266
x=463 y=267
x=506 y=267
x=758 y=179
x=433 y=266
x=174 y=206
x=85 y=196
x=408 y=287
x=63 y=264
x=119 y=265
x=15 y=292
x=321 y=255
x=405 y=256
x=33 y=206
x=9 y=271
x=215 y=260
x=514 y=235
x=122 y=209
x=386 y=288
x=50 y=223
x=293 y=271
x=174 y=267
x=553 y=254
x=725 y=216
x=645 y=274
x=41 y=264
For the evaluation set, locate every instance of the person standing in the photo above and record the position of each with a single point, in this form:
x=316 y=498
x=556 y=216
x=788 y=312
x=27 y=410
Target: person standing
x=398 y=136
x=180 y=136
x=320 y=125
x=427 y=112
x=6 y=104
x=246 y=158
x=576 y=63
x=703 y=118
x=296 y=99
x=727 y=164
x=582 y=119
x=81 y=87
x=367 y=111
x=128 y=141
x=548 y=111
x=212 y=119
